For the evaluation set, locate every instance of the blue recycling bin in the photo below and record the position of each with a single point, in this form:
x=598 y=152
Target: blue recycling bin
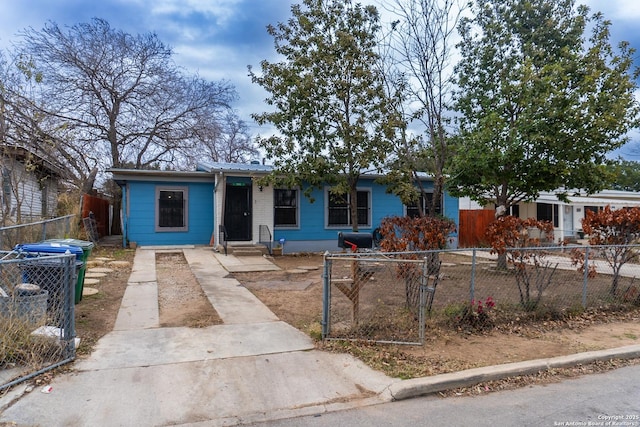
x=47 y=273
x=50 y=248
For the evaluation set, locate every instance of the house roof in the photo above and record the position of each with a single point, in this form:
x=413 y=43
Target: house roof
x=205 y=171
x=265 y=169
x=123 y=175
x=615 y=199
x=233 y=167
x=41 y=161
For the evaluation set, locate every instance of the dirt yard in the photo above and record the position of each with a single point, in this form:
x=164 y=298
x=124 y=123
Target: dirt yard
x=294 y=294
x=181 y=300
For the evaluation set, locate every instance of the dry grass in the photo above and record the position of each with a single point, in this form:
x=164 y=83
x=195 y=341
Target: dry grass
x=20 y=347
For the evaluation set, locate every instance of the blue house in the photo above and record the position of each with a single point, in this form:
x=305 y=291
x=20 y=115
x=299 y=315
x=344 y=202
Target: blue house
x=177 y=208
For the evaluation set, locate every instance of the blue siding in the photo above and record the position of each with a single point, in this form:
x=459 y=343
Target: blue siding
x=313 y=234
x=452 y=209
x=141 y=216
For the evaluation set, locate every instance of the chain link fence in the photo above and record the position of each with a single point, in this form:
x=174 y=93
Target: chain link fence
x=392 y=297
x=37 y=328
x=382 y=297
x=35 y=231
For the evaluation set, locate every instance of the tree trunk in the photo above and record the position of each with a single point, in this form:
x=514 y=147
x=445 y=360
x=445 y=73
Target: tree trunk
x=501 y=210
x=116 y=224
x=88 y=183
x=353 y=204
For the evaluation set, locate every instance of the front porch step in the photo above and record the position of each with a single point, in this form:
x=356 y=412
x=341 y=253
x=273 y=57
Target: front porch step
x=253 y=250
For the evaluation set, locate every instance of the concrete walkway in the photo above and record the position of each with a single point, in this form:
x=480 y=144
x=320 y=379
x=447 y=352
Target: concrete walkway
x=252 y=368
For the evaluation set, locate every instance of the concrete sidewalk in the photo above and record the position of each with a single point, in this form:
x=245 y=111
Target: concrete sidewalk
x=252 y=368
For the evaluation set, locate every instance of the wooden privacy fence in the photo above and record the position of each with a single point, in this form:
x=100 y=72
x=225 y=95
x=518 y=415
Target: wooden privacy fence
x=473 y=226
x=100 y=209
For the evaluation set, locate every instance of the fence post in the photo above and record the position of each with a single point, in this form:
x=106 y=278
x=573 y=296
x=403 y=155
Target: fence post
x=44 y=231
x=472 y=287
x=326 y=295
x=68 y=323
x=586 y=278
x=423 y=299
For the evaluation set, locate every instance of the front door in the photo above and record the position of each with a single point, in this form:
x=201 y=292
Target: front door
x=567 y=222
x=237 y=212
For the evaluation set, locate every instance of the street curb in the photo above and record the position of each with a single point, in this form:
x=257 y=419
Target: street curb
x=427 y=385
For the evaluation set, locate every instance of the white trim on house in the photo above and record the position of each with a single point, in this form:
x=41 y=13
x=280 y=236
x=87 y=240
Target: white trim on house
x=295 y=226
x=594 y=200
x=467 y=204
x=327 y=191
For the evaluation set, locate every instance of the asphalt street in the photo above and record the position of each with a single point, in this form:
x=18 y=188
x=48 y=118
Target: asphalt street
x=606 y=399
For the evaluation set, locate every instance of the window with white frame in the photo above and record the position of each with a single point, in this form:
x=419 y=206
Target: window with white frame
x=285 y=202
x=425 y=203
x=547 y=212
x=338 y=208
x=171 y=208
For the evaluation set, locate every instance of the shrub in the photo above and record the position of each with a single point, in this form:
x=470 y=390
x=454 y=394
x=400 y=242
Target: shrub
x=476 y=314
x=406 y=234
x=619 y=229
x=400 y=234
x=515 y=241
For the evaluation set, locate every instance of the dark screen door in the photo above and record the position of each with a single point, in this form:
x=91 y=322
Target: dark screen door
x=237 y=212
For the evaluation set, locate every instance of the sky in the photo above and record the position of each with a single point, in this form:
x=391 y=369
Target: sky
x=218 y=39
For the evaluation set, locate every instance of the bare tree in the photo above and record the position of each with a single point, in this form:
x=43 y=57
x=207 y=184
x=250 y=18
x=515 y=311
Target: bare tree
x=23 y=123
x=116 y=99
x=120 y=97
x=28 y=190
x=420 y=71
x=229 y=141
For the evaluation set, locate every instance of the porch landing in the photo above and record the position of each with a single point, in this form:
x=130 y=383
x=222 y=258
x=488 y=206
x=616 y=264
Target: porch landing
x=245 y=264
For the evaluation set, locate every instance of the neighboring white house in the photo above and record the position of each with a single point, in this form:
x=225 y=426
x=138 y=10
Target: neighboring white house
x=566 y=217
x=29 y=186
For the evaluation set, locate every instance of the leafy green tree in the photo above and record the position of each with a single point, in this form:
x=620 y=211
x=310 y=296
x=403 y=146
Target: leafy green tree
x=329 y=105
x=626 y=175
x=541 y=104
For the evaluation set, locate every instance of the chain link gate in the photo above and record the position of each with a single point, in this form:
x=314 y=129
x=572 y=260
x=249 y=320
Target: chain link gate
x=381 y=297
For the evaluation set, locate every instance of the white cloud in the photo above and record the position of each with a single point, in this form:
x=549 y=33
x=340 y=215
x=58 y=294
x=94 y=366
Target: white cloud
x=214 y=61
x=619 y=10
x=222 y=10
